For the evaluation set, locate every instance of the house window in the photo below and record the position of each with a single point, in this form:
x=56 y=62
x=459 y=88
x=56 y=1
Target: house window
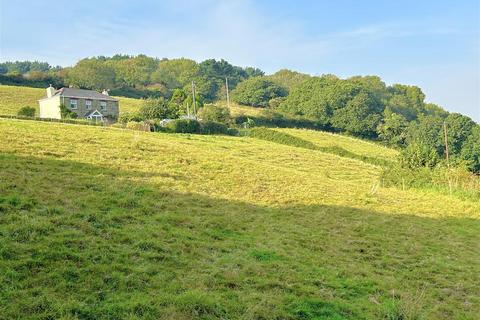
x=103 y=105
x=88 y=104
x=73 y=103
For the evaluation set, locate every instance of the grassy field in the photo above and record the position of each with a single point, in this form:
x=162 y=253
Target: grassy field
x=103 y=223
x=357 y=146
x=237 y=109
x=13 y=98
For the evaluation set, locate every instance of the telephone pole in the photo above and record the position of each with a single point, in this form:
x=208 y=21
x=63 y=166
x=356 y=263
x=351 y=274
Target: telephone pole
x=446 y=141
x=228 y=97
x=194 y=100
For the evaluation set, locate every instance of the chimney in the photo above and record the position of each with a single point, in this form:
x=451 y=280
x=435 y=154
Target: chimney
x=105 y=92
x=50 y=91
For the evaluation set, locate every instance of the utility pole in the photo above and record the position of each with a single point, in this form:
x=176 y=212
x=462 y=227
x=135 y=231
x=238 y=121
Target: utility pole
x=446 y=141
x=194 y=100
x=228 y=97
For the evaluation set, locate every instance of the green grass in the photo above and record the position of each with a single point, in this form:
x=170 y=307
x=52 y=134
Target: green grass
x=238 y=109
x=104 y=223
x=333 y=144
x=129 y=104
x=350 y=144
x=12 y=98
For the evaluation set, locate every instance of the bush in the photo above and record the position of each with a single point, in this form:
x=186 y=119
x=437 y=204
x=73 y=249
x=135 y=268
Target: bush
x=184 y=126
x=233 y=132
x=129 y=116
x=417 y=155
x=27 y=112
x=471 y=150
x=67 y=113
x=157 y=108
x=275 y=102
x=212 y=127
x=248 y=123
x=215 y=113
x=453 y=180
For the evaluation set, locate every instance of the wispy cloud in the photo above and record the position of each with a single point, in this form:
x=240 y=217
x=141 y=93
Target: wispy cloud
x=401 y=29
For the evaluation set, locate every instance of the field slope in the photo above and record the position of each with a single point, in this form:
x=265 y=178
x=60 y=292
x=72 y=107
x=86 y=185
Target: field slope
x=102 y=223
x=12 y=98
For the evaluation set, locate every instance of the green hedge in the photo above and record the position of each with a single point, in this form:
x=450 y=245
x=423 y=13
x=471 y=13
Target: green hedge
x=213 y=127
x=184 y=126
x=198 y=127
x=279 y=137
x=281 y=122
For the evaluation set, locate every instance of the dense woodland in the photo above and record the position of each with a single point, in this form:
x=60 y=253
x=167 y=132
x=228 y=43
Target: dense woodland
x=362 y=106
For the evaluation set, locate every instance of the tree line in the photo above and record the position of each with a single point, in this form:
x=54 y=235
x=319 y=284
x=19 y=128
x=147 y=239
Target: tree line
x=135 y=76
x=362 y=106
x=366 y=107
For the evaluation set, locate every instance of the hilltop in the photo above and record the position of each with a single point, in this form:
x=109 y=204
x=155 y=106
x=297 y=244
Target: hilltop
x=105 y=223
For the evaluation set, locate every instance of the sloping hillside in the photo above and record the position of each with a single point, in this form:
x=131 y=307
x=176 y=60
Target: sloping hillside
x=102 y=223
x=13 y=98
x=350 y=144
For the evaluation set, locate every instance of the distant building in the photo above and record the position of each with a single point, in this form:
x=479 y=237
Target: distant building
x=87 y=104
x=164 y=122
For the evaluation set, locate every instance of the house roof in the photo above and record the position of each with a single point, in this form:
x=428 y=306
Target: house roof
x=82 y=93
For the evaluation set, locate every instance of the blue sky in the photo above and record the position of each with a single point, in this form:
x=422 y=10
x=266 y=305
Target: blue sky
x=432 y=44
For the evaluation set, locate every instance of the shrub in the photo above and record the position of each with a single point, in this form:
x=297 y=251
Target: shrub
x=215 y=113
x=471 y=150
x=27 y=112
x=232 y=132
x=129 y=116
x=157 y=108
x=417 y=155
x=184 y=126
x=212 y=127
x=248 y=123
x=275 y=102
x=454 y=180
x=66 y=113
